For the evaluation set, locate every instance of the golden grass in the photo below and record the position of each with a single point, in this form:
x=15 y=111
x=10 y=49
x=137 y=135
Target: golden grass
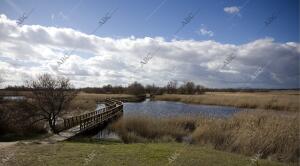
x=273 y=135
x=143 y=129
x=277 y=100
x=268 y=133
x=86 y=102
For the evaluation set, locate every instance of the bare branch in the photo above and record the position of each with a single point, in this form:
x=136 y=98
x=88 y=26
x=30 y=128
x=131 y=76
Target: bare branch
x=50 y=97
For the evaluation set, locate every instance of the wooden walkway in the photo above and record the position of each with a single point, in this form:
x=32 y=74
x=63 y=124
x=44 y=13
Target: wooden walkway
x=78 y=124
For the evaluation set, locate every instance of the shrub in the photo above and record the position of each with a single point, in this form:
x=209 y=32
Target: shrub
x=15 y=119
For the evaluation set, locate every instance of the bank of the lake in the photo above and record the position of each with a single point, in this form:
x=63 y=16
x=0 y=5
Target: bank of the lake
x=273 y=100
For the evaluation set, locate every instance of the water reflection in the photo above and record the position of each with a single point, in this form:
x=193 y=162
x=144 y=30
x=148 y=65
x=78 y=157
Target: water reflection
x=168 y=109
x=14 y=98
x=171 y=109
x=106 y=134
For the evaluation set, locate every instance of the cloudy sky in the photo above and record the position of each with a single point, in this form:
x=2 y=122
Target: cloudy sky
x=216 y=43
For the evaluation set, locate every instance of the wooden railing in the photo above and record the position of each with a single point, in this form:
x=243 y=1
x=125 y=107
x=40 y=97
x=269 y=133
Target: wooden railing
x=113 y=108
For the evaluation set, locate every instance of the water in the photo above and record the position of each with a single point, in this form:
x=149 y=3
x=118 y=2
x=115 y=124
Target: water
x=106 y=134
x=172 y=109
x=168 y=109
x=14 y=98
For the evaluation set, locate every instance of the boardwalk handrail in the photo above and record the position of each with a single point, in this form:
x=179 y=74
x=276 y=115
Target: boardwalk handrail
x=112 y=109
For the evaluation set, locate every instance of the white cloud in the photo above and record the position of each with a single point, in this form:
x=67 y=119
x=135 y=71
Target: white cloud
x=204 y=32
x=28 y=51
x=232 y=10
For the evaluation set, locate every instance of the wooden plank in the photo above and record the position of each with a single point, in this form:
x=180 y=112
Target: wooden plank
x=113 y=108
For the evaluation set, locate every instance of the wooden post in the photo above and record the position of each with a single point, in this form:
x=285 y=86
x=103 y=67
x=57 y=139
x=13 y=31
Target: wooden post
x=65 y=124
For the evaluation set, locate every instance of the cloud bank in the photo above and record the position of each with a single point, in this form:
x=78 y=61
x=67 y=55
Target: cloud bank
x=30 y=50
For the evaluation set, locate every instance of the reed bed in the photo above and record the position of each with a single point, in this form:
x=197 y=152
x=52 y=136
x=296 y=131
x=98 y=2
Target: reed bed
x=145 y=129
x=264 y=133
x=269 y=134
x=282 y=101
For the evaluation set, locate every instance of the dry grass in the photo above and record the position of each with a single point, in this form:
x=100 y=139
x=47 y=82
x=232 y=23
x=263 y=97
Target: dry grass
x=283 y=100
x=83 y=102
x=273 y=135
x=86 y=102
x=270 y=134
x=143 y=129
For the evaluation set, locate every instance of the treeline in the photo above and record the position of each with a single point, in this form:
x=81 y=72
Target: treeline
x=172 y=87
x=136 y=88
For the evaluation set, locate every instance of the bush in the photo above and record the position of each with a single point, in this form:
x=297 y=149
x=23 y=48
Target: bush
x=15 y=119
x=136 y=89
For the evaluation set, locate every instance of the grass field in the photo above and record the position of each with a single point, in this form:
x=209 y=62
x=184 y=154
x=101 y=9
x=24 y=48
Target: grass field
x=276 y=100
x=114 y=153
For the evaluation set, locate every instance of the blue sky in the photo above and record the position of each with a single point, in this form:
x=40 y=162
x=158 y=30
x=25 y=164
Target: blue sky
x=258 y=32
x=142 y=18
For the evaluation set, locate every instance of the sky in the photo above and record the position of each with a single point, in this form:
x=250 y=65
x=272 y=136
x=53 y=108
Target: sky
x=215 y=43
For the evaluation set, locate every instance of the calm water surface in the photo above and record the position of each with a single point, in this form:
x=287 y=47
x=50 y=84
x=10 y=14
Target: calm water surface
x=168 y=109
x=171 y=109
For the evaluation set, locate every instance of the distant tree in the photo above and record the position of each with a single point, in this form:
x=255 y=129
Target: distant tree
x=117 y=90
x=136 y=89
x=152 y=89
x=1 y=97
x=187 y=88
x=171 y=86
x=107 y=88
x=50 y=98
x=200 y=89
x=1 y=79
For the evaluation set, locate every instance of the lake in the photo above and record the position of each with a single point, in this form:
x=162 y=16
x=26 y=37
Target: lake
x=167 y=109
x=172 y=109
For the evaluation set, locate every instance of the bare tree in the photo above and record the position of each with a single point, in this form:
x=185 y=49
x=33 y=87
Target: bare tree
x=50 y=98
x=171 y=86
x=200 y=89
x=188 y=88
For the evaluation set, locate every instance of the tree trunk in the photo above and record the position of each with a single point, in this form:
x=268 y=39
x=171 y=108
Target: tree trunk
x=52 y=124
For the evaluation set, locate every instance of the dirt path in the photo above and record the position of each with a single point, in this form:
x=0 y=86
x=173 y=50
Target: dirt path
x=7 y=152
x=7 y=144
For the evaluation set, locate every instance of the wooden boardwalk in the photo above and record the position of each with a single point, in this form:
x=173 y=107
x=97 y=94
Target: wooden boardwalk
x=78 y=124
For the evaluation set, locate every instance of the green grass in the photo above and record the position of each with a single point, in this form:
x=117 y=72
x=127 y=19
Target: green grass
x=9 y=137
x=116 y=153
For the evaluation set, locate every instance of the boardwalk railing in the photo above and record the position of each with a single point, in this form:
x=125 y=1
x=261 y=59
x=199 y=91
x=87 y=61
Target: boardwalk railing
x=113 y=108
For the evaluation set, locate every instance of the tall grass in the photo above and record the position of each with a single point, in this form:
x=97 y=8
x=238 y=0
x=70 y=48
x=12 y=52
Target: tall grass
x=270 y=134
x=143 y=129
x=282 y=101
x=255 y=132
